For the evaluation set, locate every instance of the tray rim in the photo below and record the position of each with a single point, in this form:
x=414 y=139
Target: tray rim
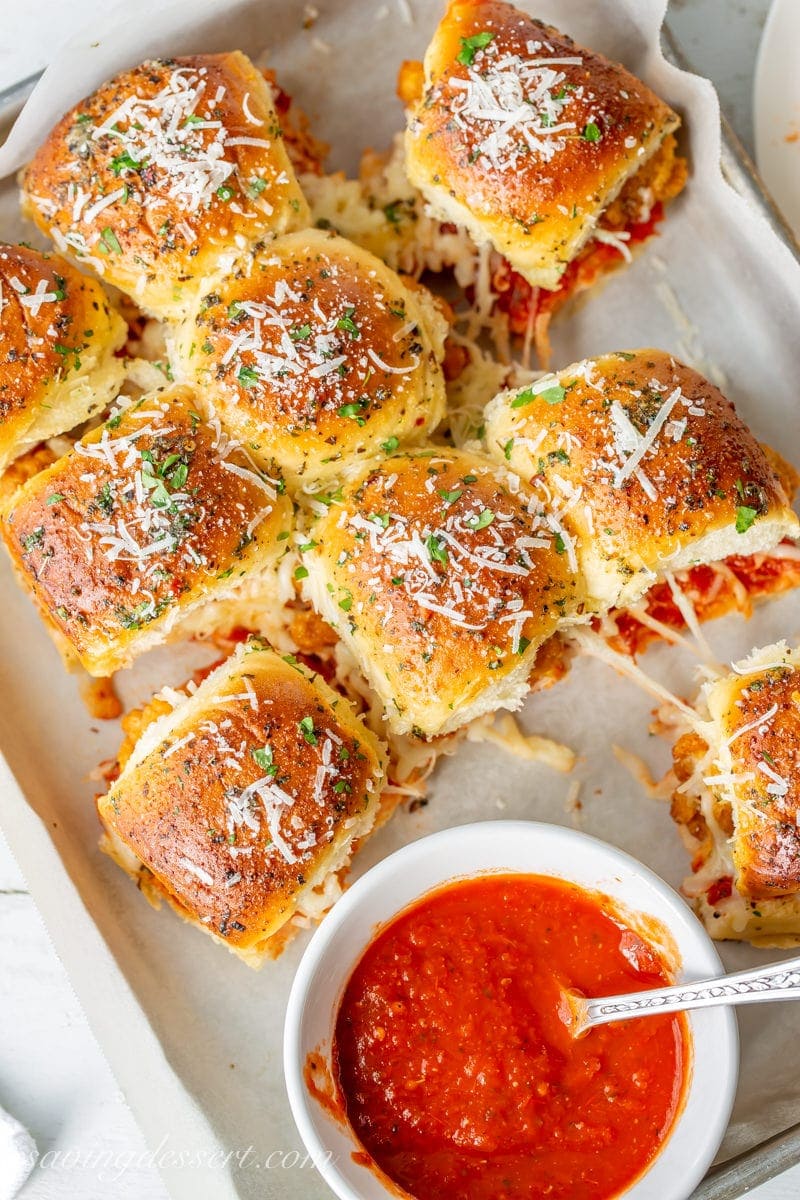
x=729 y=1180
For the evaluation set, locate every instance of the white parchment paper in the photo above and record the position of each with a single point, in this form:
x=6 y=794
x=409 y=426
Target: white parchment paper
x=193 y=1035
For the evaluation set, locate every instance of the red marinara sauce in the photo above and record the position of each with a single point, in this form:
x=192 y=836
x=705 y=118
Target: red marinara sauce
x=457 y=1073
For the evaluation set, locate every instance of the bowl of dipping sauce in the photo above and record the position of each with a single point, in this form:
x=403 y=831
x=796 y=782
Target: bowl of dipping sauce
x=426 y=1049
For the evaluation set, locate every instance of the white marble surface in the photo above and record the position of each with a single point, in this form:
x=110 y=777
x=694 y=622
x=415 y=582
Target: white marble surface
x=53 y=1075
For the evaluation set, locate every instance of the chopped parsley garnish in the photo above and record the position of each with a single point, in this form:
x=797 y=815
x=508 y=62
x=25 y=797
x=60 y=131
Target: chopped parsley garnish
x=33 y=539
x=301 y=573
x=483 y=519
x=110 y=240
x=263 y=759
x=591 y=133
x=745 y=517
x=247 y=377
x=56 y=498
x=561 y=546
x=381 y=519
x=177 y=476
x=346 y=603
x=255 y=187
x=159 y=496
x=306 y=727
x=437 y=550
x=450 y=497
x=471 y=45
x=348 y=324
x=124 y=162
x=390 y=445
x=300 y=333
x=225 y=193
x=354 y=411
x=509 y=446
x=105 y=499
x=550 y=395
x=65 y=351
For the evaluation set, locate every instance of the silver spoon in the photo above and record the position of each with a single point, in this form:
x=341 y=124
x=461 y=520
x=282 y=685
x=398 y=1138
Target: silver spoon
x=777 y=981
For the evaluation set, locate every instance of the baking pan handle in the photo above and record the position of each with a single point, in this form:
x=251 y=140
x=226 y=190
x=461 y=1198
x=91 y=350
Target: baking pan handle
x=752 y=1168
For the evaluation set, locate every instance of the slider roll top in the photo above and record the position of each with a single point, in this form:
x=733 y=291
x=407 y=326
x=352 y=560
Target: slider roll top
x=318 y=354
x=242 y=805
x=58 y=341
x=738 y=800
x=150 y=516
x=525 y=138
x=165 y=175
x=438 y=572
x=646 y=465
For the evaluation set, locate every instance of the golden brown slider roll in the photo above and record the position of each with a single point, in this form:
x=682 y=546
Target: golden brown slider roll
x=647 y=466
x=148 y=517
x=318 y=355
x=738 y=799
x=437 y=571
x=58 y=338
x=164 y=174
x=242 y=804
x=525 y=138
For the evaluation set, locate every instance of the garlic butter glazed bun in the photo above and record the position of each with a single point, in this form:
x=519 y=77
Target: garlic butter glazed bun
x=647 y=465
x=147 y=518
x=523 y=137
x=738 y=800
x=242 y=804
x=439 y=574
x=318 y=354
x=58 y=338
x=161 y=173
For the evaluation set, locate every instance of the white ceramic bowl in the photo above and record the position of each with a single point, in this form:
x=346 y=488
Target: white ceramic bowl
x=506 y=846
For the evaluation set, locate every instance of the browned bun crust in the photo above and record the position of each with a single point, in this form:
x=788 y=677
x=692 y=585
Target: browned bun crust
x=317 y=353
x=58 y=335
x=533 y=187
x=205 y=176
x=149 y=516
x=703 y=489
x=766 y=802
x=422 y=568
x=247 y=797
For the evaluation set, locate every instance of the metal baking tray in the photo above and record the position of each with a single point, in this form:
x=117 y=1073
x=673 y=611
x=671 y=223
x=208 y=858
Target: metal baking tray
x=737 y=1176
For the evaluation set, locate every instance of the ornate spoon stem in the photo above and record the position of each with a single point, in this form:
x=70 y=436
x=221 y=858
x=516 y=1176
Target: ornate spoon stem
x=777 y=981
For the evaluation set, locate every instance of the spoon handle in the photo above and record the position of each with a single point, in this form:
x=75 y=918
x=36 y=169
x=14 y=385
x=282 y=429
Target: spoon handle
x=777 y=981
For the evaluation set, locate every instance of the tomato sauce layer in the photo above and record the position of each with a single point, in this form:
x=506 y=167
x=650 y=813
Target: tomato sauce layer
x=456 y=1071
